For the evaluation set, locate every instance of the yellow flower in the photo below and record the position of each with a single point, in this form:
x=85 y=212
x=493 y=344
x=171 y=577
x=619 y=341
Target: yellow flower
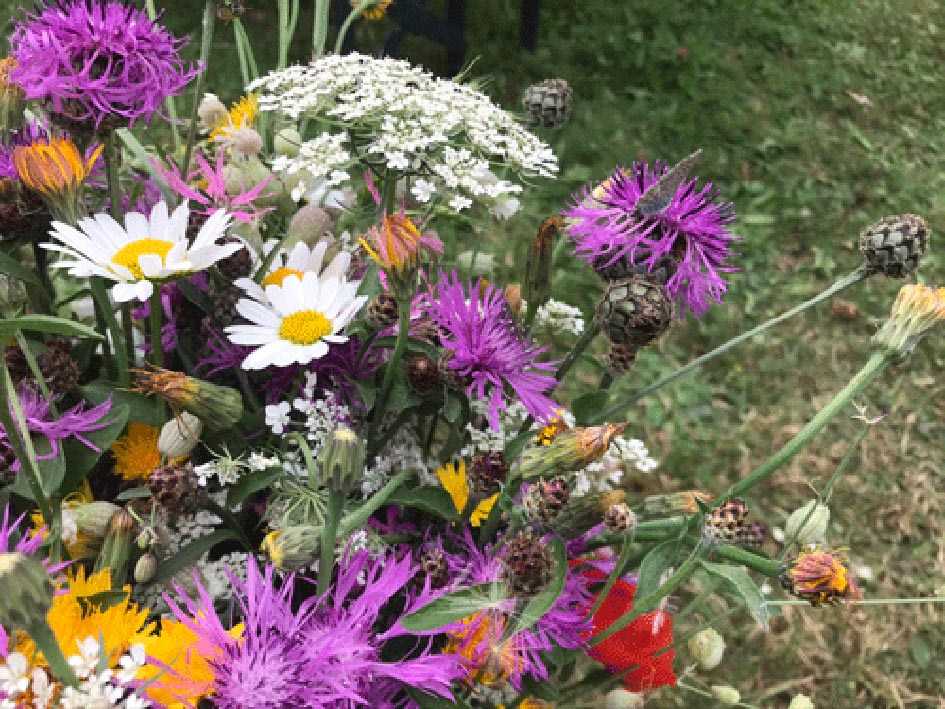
x=455 y=482
x=376 y=11
x=242 y=114
x=820 y=577
x=136 y=453
x=78 y=615
x=550 y=431
x=56 y=171
x=917 y=310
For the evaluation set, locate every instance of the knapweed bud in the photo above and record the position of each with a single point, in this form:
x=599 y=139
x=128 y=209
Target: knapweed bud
x=27 y=591
x=620 y=359
x=619 y=518
x=808 y=525
x=146 y=567
x=211 y=111
x=434 y=566
x=538 y=267
x=287 y=142
x=894 y=245
x=488 y=472
x=92 y=518
x=292 y=548
x=527 y=564
x=801 y=701
x=707 y=648
x=623 y=699
x=729 y=524
x=179 y=436
x=382 y=312
x=423 y=374
x=308 y=225
x=634 y=311
x=729 y=696
x=341 y=460
x=116 y=549
x=571 y=450
x=917 y=310
x=218 y=406
x=548 y=103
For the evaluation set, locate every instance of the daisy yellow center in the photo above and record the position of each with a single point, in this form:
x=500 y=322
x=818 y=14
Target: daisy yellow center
x=305 y=327
x=129 y=254
x=280 y=274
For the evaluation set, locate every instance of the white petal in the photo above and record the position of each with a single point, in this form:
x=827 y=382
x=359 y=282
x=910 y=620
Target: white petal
x=258 y=313
x=123 y=292
x=151 y=265
x=250 y=334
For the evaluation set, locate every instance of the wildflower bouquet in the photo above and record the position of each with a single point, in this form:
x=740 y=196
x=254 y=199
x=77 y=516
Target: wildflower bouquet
x=268 y=440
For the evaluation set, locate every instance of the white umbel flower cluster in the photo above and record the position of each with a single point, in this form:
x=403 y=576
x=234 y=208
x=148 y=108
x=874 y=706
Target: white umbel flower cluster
x=400 y=118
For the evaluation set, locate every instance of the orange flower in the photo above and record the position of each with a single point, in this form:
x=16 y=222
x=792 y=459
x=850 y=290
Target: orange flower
x=820 y=577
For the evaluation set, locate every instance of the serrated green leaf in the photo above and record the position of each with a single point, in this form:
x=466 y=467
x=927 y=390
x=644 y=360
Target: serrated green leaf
x=542 y=602
x=656 y=561
x=48 y=324
x=434 y=500
x=250 y=484
x=455 y=606
x=191 y=553
x=586 y=408
x=738 y=577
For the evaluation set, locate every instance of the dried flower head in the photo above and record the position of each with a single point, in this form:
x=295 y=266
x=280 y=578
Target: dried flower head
x=217 y=406
x=917 y=310
x=820 y=577
x=374 y=12
x=571 y=450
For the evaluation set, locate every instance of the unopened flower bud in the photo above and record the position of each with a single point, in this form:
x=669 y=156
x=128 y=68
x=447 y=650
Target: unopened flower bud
x=538 y=267
x=292 y=548
x=423 y=374
x=707 y=648
x=287 y=142
x=726 y=695
x=526 y=563
x=146 y=567
x=92 y=518
x=585 y=512
x=342 y=460
x=27 y=591
x=513 y=296
x=685 y=502
x=116 y=549
x=570 y=450
x=548 y=103
x=308 y=225
x=808 y=525
x=218 y=406
x=634 y=311
x=894 y=245
x=211 y=111
x=246 y=142
x=12 y=293
x=623 y=699
x=619 y=518
x=801 y=701
x=475 y=263
x=179 y=436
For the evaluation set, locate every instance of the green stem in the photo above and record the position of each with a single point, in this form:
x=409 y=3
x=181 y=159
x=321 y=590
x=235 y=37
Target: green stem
x=284 y=37
x=400 y=345
x=866 y=602
x=326 y=561
x=862 y=273
x=47 y=292
x=530 y=313
x=106 y=321
x=876 y=364
x=36 y=372
x=356 y=519
x=157 y=342
x=170 y=104
x=320 y=29
x=346 y=25
x=206 y=42
x=46 y=643
x=615 y=574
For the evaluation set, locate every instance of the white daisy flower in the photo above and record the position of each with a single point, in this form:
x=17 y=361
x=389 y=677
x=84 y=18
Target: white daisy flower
x=297 y=321
x=143 y=252
x=297 y=262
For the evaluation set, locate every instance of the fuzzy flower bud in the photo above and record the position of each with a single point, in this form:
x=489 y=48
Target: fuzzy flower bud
x=308 y=225
x=729 y=696
x=801 y=701
x=538 y=268
x=116 y=549
x=570 y=450
x=287 y=142
x=342 y=460
x=707 y=648
x=917 y=309
x=92 y=518
x=179 y=436
x=623 y=699
x=211 y=111
x=146 y=567
x=220 y=407
x=292 y=548
x=27 y=591
x=808 y=525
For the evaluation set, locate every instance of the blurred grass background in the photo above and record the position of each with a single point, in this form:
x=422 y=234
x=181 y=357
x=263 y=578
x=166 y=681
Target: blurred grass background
x=816 y=119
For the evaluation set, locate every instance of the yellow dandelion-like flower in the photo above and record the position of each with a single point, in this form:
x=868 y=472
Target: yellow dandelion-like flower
x=55 y=170
x=242 y=114
x=136 y=453
x=549 y=432
x=917 y=310
x=376 y=11
x=82 y=613
x=456 y=483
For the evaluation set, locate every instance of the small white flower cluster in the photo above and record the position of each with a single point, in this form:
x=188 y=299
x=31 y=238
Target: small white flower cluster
x=228 y=469
x=99 y=687
x=555 y=316
x=403 y=452
x=483 y=438
x=320 y=164
x=607 y=473
x=448 y=134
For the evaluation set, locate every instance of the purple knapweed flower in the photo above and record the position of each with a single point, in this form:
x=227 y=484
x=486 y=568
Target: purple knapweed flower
x=97 y=63
x=487 y=347
x=692 y=230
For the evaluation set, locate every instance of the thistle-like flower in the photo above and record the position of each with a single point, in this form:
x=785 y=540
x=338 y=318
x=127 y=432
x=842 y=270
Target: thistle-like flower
x=820 y=577
x=917 y=310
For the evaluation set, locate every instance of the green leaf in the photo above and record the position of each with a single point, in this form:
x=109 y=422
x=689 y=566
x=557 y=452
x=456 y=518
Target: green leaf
x=14 y=268
x=540 y=689
x=51 y=471
x=47 y=323
x=738 y=577
x=191 y=553
x=429 y=701
x=103 y=600
x=367 y=392
x=251 y=483
x=586 y=408
x=434 y=500
x=541 y=603
x=135 y=493
x=452 y=407
x=80 y=459
x=656 y=561
x=140 y=408
x=514 y=448
x=455 y=606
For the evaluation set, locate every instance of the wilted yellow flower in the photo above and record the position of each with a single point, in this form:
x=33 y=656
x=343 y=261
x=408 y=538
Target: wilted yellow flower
x=489 y=655
x=218 y=407
x=820 y=577
x=55 y=170
x=242 y=114
x=456 y=483
x=571 y=450
x=917 y=309
x=376 y=11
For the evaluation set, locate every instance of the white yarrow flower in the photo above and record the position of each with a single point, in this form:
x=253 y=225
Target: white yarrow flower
x=298 y=320
x=277 y=417
x=144 y=252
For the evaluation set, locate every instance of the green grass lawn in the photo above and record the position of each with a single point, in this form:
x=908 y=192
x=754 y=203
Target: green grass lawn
x=816 y=119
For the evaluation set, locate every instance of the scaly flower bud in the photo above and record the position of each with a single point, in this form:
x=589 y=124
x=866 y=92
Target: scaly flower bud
x=56 y=171
x=179 y=436
x=27 y=591
x=292 y=548
x=218 y=406
x=917 y=309
x=707 y=648
x=894 y=245
x=808 y=525
x=341 y=460
x=570 y=450
x=527 y=564
x=634 y=311
x=538 y=268
x=619 y=518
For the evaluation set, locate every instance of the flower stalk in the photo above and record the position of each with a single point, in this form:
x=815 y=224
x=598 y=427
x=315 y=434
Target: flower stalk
x=349 y=20
x=206 y=42
x=114 y=207
x=326 y=560
x=400 y=345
